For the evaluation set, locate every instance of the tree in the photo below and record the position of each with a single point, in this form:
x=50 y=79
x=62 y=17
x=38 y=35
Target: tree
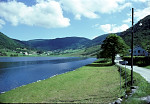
x=39 y=52
x=113 y=45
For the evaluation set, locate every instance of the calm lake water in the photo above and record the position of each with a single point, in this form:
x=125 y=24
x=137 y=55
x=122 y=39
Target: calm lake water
x=18 y=71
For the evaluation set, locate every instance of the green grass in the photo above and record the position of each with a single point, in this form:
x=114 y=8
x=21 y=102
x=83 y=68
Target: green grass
x=86 y=52
x=148 y=67
x=142 y=91
x=88 y=84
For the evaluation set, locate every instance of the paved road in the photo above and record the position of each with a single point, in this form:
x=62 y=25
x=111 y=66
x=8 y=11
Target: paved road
x=142 y=71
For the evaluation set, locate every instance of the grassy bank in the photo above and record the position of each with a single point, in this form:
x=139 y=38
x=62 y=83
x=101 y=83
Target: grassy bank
x=148 y=67
x=143 y=87
x=88 y=84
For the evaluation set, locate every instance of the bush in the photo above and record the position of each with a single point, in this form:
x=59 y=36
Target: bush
x=13 y=55
x=137 y=60
x=3 y=54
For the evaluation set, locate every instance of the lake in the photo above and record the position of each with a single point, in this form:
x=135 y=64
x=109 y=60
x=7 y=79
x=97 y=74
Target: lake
x=18 y=71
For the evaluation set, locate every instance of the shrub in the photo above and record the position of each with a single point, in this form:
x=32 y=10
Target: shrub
x=137 y=60
x=3 y=54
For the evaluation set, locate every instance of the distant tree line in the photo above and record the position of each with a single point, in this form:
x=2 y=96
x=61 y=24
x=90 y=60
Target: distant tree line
x=3 y=54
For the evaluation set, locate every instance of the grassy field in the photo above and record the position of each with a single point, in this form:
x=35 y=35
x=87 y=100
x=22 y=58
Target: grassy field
x=88 y=84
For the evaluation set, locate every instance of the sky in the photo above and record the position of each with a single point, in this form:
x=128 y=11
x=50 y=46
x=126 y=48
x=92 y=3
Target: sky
x=50 y=19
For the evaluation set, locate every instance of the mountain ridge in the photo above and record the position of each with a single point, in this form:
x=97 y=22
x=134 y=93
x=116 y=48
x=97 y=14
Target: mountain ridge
x=58 y=43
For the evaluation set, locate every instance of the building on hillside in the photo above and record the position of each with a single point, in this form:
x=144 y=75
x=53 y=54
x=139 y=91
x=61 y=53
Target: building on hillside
x=138 y=51
x=25 y=53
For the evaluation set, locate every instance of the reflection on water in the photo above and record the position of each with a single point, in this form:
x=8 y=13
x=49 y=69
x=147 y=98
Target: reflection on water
x=23 y=63
x=18 y=71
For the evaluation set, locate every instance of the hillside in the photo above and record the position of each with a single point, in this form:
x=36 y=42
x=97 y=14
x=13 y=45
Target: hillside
x=141 y=33
x=6 y=42
x=99 y=40
x=59 y=43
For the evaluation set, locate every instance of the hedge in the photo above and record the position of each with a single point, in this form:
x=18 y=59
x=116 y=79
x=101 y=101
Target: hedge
x=138 y=60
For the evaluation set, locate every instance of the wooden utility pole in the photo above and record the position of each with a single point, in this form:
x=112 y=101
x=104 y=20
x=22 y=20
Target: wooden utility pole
x=132 y=48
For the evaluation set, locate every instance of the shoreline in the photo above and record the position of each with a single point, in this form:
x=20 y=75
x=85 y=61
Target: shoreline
x=46 y=78
x=53 y=56
x=39 y=80
x=87 y=82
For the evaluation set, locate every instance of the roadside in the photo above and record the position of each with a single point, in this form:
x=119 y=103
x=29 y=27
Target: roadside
x=142 y=71
x=139 y=93
x=147 y=67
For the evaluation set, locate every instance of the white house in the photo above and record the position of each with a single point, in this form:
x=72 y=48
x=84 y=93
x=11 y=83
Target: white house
x=25 y=53
x=138 y=51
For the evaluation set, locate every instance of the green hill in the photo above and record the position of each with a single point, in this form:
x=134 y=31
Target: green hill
x=141 y=33
x=8 y=43
x=59 y=43
x=99 y=40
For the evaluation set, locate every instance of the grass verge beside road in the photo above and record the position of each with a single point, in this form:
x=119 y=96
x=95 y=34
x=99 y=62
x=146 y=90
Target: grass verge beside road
x=148 y=67
x=143 y=87
x=88 y=84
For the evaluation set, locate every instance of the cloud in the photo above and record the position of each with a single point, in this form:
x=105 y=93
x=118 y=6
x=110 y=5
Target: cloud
x=106 y=27
x=1 y=23
x=139 y=0
x=112 y=28
x=92 y=8
x=47 y=13
x=95 y=37
x=140 y=14
x=39 y=1
x=127 y=20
